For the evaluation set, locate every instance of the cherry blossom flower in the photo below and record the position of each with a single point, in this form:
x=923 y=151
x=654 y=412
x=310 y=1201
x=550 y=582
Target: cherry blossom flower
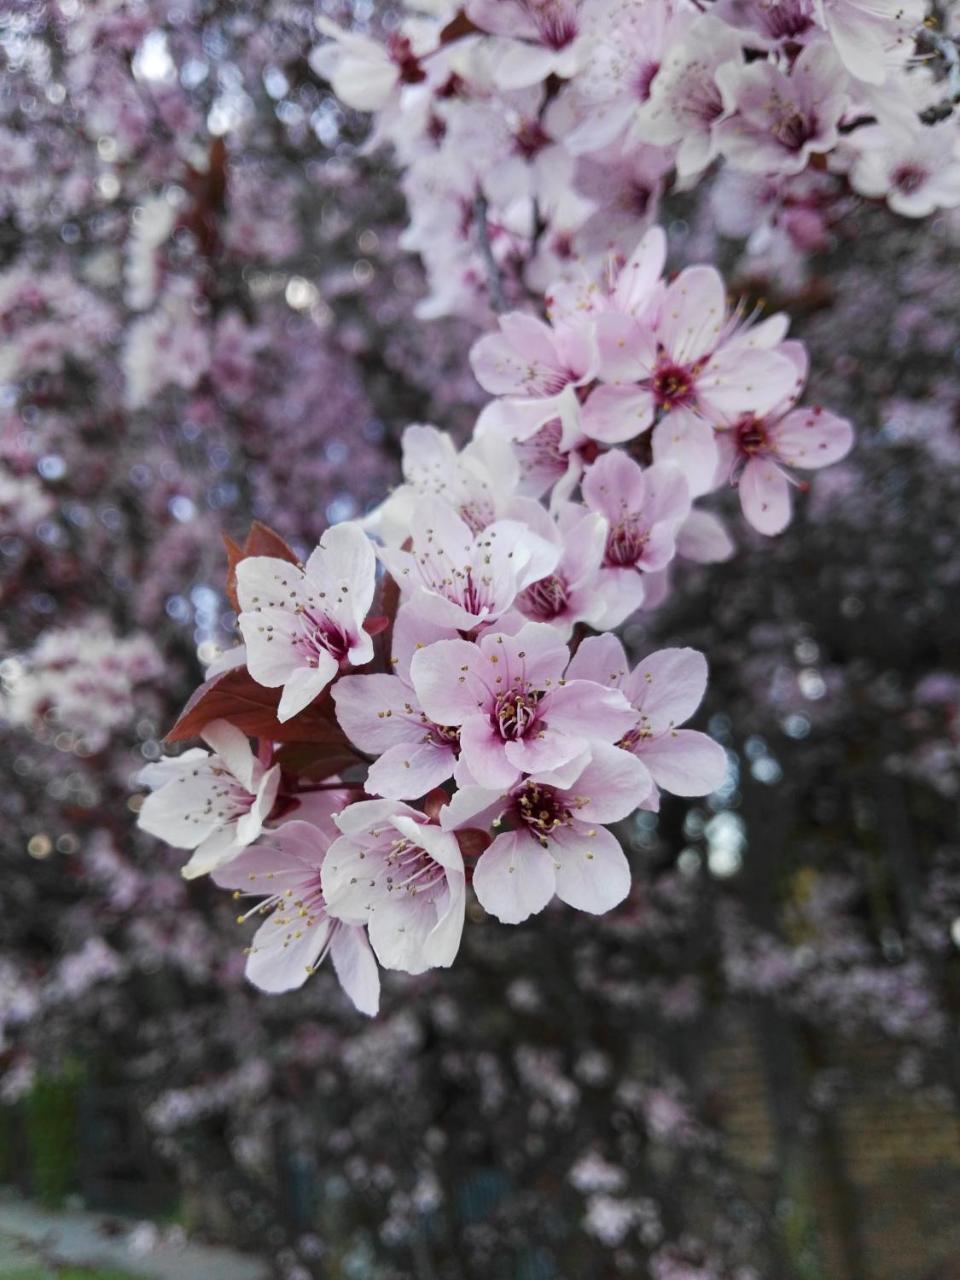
x=285 y=871
x=301 y=625
x=554 y=843
x=628 y=44
x=665 y=689
x=365 y=74
x=644 y=511
x=686 y=101
x=694 y=366
x=403 y=876
x=538 y=38
x=460 y=579
x=756 y=450
x=382 y=715
x=779 y=121
x=871 y=36
x=771 y=23
x=917 y=172
x=515 y=711
x=627 y=290
x=532 y=363
x=215 y=804
x=574 y=592
x=480 y=483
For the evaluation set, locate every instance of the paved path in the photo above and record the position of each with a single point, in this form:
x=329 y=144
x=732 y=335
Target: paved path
x=32 y=1237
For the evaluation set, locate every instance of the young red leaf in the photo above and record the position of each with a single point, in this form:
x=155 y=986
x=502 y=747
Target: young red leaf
x=235 y=696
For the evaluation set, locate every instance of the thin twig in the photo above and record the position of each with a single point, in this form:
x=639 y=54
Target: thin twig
x=494 y=283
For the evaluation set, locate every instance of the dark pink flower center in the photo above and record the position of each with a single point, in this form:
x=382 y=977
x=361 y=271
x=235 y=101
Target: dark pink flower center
x=530 y=138
x=515 y=712
x=411 y=870
x=672 y=385
x=540 y=809
x=751 y=436
x=909 y=178
x=320 y=634
x=626 y=542
x=556 y=22
x=792 y=129
x=408 y=64
x=545 y=600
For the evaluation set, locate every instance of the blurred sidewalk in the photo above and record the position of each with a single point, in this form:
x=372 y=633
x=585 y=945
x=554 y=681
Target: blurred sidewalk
x=32 y=1237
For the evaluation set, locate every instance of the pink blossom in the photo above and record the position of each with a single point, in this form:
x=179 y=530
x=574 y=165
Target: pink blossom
x=214 y=804
x=779 y=121
x=627 y=290
x=755 y=450
x=460 y=579
x=300 y=625
x=285 y=869
x=480 y=482
x=695 y=364
x=644 y=511
x=916 y=171
x=403 y=876
x=382 y=715
x=871 y=36
x=538 y=38
x=532 y=363
x=665 y=689
x=685 y=100
x=554 y=844
x=515 y=711
x=574 y=592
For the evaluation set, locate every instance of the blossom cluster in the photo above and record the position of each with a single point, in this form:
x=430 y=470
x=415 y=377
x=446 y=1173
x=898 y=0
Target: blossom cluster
x=499 y=738
x=535 y=133
x=79 y=680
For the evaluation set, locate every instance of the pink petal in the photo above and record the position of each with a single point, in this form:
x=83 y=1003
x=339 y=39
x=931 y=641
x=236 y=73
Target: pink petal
x=614 y=485
x=600 y=658
x=737 y=381
x=452 y=679
x=356 y=968
x=482 y=750
x=514 y=878
x=811 y=438
x=685 y=439
x=703 y=538
x=585 y=710
x=639 y=277
x=284 y=951
x=611 y=785
x=344 y=565
x=377 y=711
x=685 y=762
x=628 y=350
x=305 y=685
x=409 y=770
x=668 y=686
x=692 y=314
x=765 y=496
x=592 y=873
x=615 y=414
x=233 y=748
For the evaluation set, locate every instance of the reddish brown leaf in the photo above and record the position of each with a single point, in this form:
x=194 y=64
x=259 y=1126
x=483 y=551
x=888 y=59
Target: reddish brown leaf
x=458 y=27
x=235 y=696
x=234 y=556
x=260 y=541
x=473 y=842
x=317 y=761
x=374 y=625
x=434 y=801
